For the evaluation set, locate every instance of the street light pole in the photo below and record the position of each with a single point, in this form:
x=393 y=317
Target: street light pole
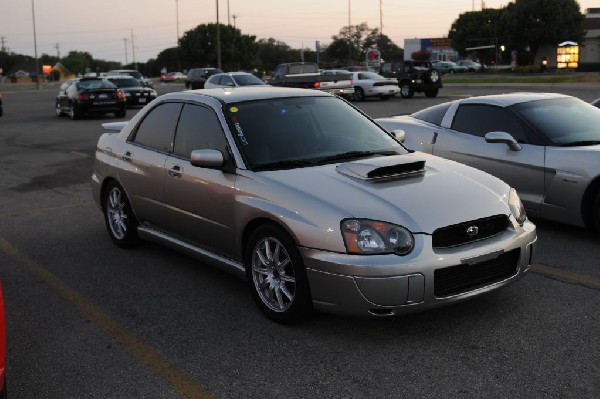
x=37 y=67
x=177 y=19
x=218 y=38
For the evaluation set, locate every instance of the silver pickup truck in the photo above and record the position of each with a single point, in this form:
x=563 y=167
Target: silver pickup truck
x=306 y=75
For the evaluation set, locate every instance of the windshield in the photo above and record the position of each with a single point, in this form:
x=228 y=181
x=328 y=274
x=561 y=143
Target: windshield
x=563 y=121
x=125 y=82
x=292 y=132
x=248 y=80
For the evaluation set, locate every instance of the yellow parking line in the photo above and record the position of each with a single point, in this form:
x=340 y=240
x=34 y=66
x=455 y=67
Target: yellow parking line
x=44 y=210
x=580 y=278
x=179 y=380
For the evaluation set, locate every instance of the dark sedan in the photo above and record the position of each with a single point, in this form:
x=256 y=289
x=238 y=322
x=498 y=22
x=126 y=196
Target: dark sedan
x=135 y=92
x=90 y=96
x=1 y=104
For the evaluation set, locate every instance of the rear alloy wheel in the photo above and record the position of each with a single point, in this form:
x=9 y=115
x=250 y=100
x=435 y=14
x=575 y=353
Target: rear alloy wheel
x=58 y=109
x=277 y=276
x=74 y=112
x=359 y=94
x=118 y=215
x=406 y=90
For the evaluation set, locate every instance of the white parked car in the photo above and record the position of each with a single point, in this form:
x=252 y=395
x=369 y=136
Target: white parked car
x=370 y=84
x=233 y=79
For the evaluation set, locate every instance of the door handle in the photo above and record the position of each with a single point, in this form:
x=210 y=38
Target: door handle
x=176 y=171
x=127 y=156
x=434 y=138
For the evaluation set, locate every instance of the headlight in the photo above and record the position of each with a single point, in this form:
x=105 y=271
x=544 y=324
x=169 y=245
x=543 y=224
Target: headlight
x=371 y=237
x=516 y=207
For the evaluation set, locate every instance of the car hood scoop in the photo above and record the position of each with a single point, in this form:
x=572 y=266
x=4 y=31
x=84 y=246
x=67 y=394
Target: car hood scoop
x=390 y=167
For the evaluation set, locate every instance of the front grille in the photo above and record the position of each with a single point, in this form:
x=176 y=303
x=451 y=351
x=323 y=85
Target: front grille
x=462 y=233
x=462 y=278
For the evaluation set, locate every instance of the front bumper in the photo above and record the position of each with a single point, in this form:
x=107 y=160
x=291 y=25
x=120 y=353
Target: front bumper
x=387 y=285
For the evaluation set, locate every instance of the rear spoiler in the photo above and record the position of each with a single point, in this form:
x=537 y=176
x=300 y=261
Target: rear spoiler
x=114 y=126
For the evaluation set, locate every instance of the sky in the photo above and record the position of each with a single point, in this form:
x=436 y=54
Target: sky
x=138 y=30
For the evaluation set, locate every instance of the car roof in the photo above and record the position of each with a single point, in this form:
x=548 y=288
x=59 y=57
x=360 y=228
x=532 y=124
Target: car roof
x=246 y=93
x=506 y=100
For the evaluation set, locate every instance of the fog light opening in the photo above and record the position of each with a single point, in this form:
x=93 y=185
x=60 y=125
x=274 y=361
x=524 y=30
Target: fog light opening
x=381 y=312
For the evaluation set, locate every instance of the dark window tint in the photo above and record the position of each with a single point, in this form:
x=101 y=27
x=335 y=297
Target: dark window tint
x=198 y=129
x=226 y=81
x=157 y=129
x=479 y=119
x=433 y=114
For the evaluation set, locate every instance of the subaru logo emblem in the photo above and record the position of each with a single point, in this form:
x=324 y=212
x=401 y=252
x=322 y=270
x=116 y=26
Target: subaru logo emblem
x=473 y=231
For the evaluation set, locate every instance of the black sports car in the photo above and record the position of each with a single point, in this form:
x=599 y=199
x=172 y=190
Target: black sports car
x=90 y=96
x=135 y=92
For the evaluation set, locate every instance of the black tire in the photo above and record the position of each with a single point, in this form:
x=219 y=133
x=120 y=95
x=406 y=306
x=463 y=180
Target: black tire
x=406 y=90
x=359 y=94
x=596 y=213
x=58 y=109
x=432 y=93
x=74 y=112
x=121 y=113
x=276 y=275
x=121 y=222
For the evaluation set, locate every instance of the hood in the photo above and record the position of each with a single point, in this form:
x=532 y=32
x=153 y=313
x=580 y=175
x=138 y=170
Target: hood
x=443 y=193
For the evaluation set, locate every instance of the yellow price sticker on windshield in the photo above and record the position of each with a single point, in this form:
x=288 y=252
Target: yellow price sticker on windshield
x=233 y=109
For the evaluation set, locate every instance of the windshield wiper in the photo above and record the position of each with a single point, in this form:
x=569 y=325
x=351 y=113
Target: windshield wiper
x=286 y=164
x=353 y=155
x=581 y=143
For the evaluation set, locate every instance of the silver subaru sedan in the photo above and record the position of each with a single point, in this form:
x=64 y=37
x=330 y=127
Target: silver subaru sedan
x=311 y=202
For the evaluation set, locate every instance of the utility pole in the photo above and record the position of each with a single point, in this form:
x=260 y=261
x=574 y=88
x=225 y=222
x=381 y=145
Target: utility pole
x=37 y=66
x=177 y=17
x=349 y=35
x=57 y=47
x=228 y=19
x=133 y=49
x=218 y=38
x=125 y=41
x=2 y=40
x=380 y=17
x=234 y=18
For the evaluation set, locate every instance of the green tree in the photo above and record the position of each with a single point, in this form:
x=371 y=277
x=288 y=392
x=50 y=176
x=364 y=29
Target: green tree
x=78 y=61
x=533 y=23
x=349 y=44
x=475 y=29
x=198 y=48
x=168 y=58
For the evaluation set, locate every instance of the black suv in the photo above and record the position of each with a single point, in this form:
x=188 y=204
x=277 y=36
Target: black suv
x=196 y=77
x=413 y=77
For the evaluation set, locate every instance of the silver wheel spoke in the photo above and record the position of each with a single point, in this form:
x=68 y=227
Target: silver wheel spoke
x=286 y=292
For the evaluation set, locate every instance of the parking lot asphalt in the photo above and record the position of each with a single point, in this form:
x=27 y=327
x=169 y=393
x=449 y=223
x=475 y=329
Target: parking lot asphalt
x=88 y=320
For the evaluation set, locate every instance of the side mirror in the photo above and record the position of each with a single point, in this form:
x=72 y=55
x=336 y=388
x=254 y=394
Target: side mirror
x=207 y=159
x=503 y=137
x=399 y=134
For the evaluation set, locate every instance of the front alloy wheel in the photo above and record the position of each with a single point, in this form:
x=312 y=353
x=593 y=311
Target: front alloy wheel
x=277 y=276
x=118 y=215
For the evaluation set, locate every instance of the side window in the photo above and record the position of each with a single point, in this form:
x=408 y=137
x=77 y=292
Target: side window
x=198 y=129
x=226 y=81
x=280 y=72
x=479 y=119
x=433 y=114
x=157 y=129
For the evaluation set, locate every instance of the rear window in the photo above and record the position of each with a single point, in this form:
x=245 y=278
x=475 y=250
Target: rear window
x=433 y=114
x=95 y=84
